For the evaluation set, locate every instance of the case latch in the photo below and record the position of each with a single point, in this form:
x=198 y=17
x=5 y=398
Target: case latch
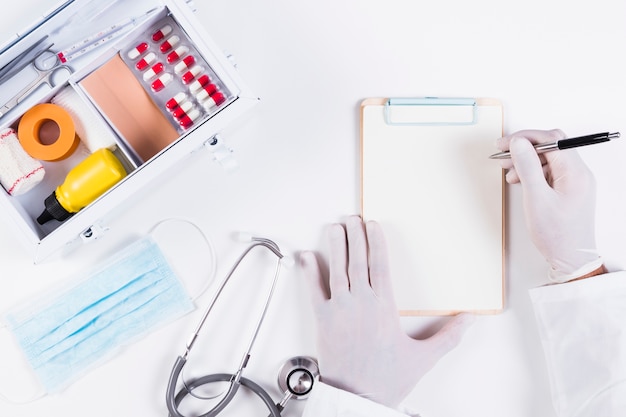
x=221 y=153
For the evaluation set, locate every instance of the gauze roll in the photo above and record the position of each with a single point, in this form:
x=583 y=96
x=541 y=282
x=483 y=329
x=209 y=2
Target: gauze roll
x=92 y=130
x=19 y=172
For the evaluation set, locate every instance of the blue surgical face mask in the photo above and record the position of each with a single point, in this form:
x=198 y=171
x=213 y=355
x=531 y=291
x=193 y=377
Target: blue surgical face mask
x=64 y=336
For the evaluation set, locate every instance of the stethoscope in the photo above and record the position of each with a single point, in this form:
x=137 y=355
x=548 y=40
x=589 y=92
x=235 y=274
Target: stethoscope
x=295 y=378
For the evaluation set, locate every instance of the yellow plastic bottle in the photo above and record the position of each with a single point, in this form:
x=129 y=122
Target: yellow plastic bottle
x=83 y=184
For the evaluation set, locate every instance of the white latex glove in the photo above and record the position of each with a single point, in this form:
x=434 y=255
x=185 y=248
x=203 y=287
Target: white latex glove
x=361 y=345
x=559 y=202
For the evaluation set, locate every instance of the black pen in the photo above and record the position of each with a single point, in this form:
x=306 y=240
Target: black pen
x=566 y=144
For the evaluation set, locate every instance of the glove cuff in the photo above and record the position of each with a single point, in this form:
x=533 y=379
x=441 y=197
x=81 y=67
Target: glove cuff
x=558 y=277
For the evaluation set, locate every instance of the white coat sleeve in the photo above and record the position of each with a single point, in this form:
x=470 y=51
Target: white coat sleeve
x=582 y=325
x=327 y=401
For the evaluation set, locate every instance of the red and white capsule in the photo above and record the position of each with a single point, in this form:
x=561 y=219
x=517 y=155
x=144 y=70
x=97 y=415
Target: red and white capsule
x=161 y=82
x=153 y=72
x=182 y=110
x=213 y=101
x=177 y=54
x=169 y=44
x=185 y=64
x=138 y=50
x=189 y=119
x=144 y=62
x=175 y=101
x=206 y=91
x=190 y=75
x=195 y=86
x=161 y=33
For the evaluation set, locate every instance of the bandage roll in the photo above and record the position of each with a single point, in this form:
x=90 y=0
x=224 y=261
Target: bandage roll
x=19 y=172
x=92 y=131
x=29 y=128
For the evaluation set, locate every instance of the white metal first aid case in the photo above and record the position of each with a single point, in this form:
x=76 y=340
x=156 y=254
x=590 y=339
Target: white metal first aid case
x=140 y=78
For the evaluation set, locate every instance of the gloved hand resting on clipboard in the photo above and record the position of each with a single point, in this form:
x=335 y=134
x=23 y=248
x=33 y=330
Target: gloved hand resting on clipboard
x=361 y=345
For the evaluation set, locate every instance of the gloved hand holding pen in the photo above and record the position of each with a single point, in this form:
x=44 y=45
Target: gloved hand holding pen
x=361 y=345
x=559 y=202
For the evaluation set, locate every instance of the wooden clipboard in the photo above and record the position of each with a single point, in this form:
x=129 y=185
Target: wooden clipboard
x=426 y=178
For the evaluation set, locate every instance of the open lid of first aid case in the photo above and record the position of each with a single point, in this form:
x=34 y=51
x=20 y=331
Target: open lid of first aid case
x=129 y=65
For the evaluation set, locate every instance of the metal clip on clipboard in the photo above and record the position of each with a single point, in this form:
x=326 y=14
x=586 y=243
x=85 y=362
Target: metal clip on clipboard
x=430 y=111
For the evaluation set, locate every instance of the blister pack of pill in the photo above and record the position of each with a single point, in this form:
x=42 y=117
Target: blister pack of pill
x=174 y=74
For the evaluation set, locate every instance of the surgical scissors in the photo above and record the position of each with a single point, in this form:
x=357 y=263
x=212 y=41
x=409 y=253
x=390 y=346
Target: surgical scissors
x=306 y=371
x=47 y=65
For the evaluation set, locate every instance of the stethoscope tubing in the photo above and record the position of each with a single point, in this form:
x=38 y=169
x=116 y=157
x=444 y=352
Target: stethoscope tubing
x=275 y=410
x=174 y=399
x=258 y=242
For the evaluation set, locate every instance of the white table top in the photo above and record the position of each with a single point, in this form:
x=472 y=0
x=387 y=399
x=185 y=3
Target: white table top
x=552 y=65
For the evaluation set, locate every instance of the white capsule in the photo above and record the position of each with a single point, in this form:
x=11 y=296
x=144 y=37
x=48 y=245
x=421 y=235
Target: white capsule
x=177 y=54
x=160 y=83
x=180 y=111
x=152 y=72
x=206 y=91
x=143 y=63
x=138 y=50
x=185 y=64
x=188 y=120
x=176 y=101
x=195 y=86
x=169 y=44
x=161 y=33
x=213 y=101
x=190 y=75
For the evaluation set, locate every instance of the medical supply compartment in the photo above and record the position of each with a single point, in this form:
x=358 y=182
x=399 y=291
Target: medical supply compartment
x=163 y=64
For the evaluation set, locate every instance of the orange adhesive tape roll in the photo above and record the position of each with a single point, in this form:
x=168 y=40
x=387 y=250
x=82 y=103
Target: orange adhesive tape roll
x=28 y=132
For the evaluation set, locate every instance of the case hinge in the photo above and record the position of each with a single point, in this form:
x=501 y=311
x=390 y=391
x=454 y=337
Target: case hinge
x=93 y=232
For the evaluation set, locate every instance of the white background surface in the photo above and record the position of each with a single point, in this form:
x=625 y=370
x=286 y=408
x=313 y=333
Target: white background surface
x=552 y=64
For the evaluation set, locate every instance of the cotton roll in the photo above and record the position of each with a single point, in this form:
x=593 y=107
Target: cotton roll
x=92 y=130
x=19 y=172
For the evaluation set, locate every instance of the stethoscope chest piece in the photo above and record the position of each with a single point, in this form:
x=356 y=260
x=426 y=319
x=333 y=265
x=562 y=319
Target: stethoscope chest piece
x=298 y=375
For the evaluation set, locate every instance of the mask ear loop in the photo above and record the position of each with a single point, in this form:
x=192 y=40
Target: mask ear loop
x=212 y=272
x=36 y=397
x=212 y=256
